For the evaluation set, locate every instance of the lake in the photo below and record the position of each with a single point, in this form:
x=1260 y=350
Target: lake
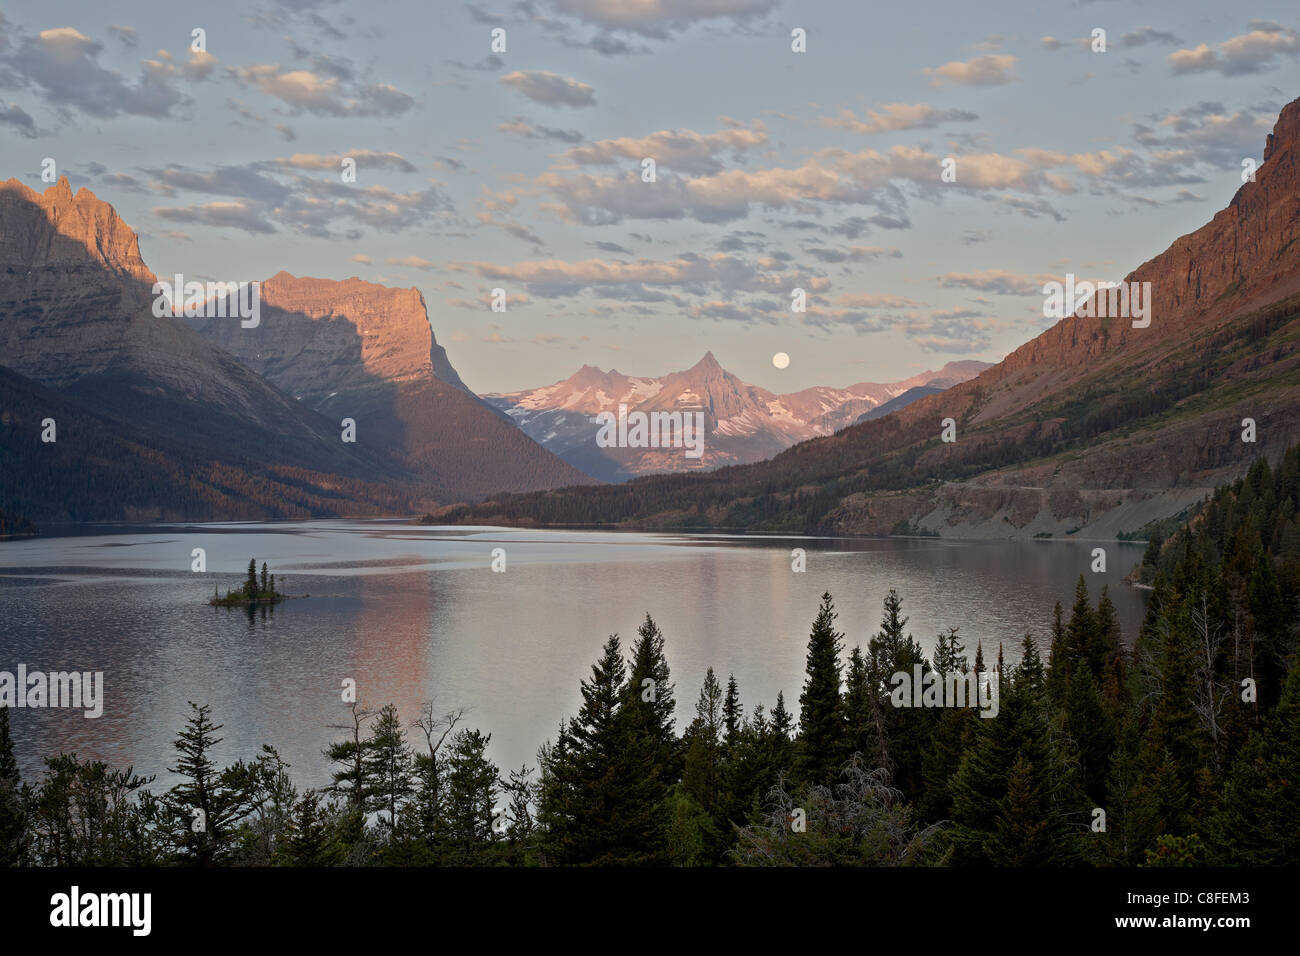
x=414 y=613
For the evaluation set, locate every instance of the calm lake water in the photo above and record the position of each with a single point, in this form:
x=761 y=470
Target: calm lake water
x=414 y=613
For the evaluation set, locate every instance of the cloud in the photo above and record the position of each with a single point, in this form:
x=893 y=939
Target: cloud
x=11 y=114
x=1050 y=43
x=323 y=95
x=956 y=331
x=365 y=260
x=638 y=280
x=228 y=215
x=1204 y=133
x=1144 y=35
x=871 y=300
x=605 y=246
x=658 y=18
x=988 y=70
x=852 y=254
x=683 y=150
x=125 y=34
x=1253 y=52
x=551 y=89
x=365 y=159
x=62 y=64
x=411 y=262
x=324 y=207
x=830 y=176
x=999 y=281
x=893 y=117
x=521 y=127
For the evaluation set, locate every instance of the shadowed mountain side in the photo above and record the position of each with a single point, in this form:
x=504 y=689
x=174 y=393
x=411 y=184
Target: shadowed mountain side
x=359 y=350
x=101 y=469
x=902 y=401
x=1094 y=427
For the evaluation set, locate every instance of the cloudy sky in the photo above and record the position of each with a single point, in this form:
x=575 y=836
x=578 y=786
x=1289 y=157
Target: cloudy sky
x=775 y=170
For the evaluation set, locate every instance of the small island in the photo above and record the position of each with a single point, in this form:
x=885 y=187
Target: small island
x=253 y=593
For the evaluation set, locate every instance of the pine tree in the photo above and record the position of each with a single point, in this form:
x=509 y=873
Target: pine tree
x=211 y=802
x=703 y=743
x=1058 y=661
x=250 y=586
x=780 y=746
x=583 y=805
x=264 y=581
x=1254 y=824
x=519 y=791
x=471 y=797
x=733 y=713
x=388 y=766
x=861 y=714
x=650 y=694
x=311 y=841
x=821 y=709
x=1015 y=767
x=13 y=815
x=905 y=731
x=352 y=780
x=1093 y=733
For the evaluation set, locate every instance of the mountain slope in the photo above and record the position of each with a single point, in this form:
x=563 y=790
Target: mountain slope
x=1094 y=427
x=358 y=350
x=913 y=394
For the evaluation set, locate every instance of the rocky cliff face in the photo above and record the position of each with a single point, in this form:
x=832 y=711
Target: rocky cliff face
x=76 y=306
x=319 y=336
x=354 y=349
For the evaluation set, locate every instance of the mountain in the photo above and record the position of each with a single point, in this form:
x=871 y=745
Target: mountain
x=1094 y=428
x=743 y=423
x=154 y=422
x=358 y=350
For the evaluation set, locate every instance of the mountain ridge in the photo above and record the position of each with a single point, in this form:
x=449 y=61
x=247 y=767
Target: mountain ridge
x=743 y=423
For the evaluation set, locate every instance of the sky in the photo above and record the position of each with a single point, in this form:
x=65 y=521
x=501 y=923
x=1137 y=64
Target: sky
x=774 y=170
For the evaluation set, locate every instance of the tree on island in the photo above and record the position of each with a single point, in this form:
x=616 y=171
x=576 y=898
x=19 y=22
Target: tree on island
x=253 y=592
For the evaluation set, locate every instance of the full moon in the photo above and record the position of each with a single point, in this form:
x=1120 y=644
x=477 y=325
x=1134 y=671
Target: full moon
x=780 y=360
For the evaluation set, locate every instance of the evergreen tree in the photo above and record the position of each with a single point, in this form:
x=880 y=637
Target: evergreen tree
x=905 y=731
x=211 y=802
x=1255 y=822
x=1058 y=661
x=861 y=714
x=733 y=713
x=13 y=814
x=593 y=803
x=821 y=709
x=780 y=746
x=311 y=840
x=471 y=797
x=519 y=791
x=387 y=762
x=250 y=586
x=1015 y=767
x=1090 y=727
x=265 y=586
x=352 y=780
